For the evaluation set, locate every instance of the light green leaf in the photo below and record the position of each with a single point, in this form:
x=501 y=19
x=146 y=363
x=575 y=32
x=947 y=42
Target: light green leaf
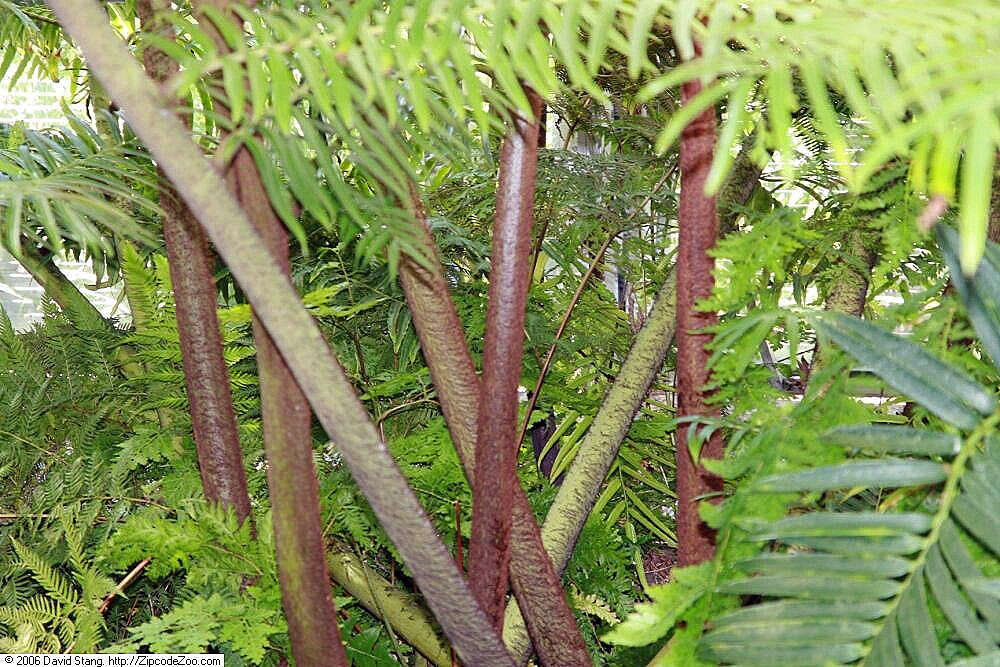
x=895 y=439
x=886 y=473
x=651 y=620
x=974 y=197
x=784 y=655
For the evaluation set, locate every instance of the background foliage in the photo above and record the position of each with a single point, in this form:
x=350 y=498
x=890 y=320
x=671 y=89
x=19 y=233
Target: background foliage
x=862 y=463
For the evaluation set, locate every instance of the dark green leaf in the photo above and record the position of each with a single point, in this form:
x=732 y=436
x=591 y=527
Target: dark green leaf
x=944 y=390
x=953 y=604
x=800 y=563
x=792 y=609
x=915 y=626
x=845 y=524
x=812 y=587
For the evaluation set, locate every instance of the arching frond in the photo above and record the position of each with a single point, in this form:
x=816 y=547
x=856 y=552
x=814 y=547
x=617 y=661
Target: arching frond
x=921 y=79
x=32 y=39
x=882 y=587
x=72 y=189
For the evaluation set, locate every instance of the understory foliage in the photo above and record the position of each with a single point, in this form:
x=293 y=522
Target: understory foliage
x=107 y=479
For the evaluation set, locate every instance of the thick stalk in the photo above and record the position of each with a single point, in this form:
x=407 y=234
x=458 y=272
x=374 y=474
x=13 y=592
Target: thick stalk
x=599 y=448
x=848 y=292
x=291 y=475
x=849 y=289
x=220 y=457
x=57 y=286
x=503 y=343
x=699 y=225
x=287 y=422
x=298 y=337
x=536 y=584
x=395 y=607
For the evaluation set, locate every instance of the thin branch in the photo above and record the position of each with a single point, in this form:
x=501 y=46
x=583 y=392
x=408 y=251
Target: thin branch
x=125 y=583
x=400 y=408
x=533 y=399
x=296 y=334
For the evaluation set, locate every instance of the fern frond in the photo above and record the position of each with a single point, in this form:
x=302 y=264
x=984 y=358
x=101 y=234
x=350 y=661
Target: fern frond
x=54 y=582
x=849 y=586
x=71 y=189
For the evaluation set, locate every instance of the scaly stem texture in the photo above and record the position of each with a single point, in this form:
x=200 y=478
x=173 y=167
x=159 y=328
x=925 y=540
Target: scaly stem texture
x=220 y=457
x=699 y=226
x=394 y=606
x=291 y=476
x=297 y=336
x=57 y=286
x=537 y=587
x=287 y=421
x=598 y=449
x=496 y=448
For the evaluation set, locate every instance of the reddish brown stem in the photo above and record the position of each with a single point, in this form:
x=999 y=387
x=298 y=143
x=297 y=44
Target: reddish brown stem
x=536 y=584
x=496 y=448
x=291 y=476
x=299 y=338
x=287 y=423
x=458 y=536
x=220 y=457
x=699 y=225
x=458 y=561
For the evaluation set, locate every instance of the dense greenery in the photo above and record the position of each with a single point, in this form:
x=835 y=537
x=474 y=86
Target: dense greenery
x=853 y=366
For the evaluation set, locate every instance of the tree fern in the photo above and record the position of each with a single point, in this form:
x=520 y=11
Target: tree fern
x=906 y=68
x=859 y=581
x=66 y=618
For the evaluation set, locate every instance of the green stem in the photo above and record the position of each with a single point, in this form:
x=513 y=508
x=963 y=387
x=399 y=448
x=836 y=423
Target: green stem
x=59 y=288
x=599 y=448
x=395 y=607
x=296 y=334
